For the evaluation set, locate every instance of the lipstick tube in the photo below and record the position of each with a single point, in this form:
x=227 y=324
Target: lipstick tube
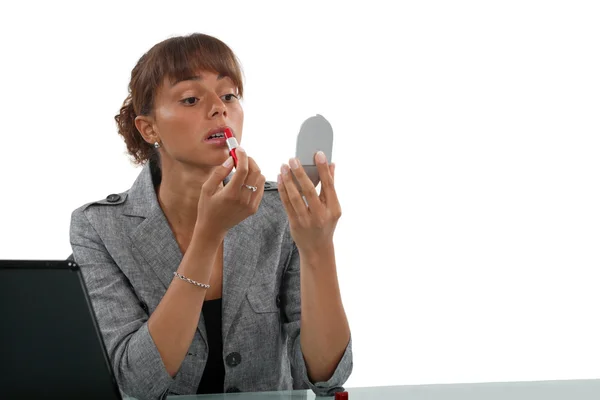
x=232 y=144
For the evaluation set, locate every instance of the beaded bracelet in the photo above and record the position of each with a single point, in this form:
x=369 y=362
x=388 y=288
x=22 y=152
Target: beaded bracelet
x=193 y=282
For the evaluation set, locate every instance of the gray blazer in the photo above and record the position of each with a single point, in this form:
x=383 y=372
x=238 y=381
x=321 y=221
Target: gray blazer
x=127 y=253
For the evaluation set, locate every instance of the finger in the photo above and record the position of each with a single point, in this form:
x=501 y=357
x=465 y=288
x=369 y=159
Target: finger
x=332 y=171
x=215 y=181
x=253 y=166
x=253 y=178
x=258 y=195
x=241 y=171
x=306 y=185
x=295 y=199
x=322 y=194
x=328 y=193
x=324 y=171
x=285 y=199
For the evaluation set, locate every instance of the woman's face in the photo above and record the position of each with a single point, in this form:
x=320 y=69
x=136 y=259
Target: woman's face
x=189 y=112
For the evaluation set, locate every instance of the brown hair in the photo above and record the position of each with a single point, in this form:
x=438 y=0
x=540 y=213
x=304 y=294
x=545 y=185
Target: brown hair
x=175 y=58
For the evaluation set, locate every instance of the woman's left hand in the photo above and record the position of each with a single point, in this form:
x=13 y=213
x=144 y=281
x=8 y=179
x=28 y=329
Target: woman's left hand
x=312 y=226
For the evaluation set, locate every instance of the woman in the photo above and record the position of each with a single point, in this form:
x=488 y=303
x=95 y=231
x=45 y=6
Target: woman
x=204 y=278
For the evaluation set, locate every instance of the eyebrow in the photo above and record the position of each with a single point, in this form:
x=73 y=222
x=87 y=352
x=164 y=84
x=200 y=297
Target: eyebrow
x=195 y=78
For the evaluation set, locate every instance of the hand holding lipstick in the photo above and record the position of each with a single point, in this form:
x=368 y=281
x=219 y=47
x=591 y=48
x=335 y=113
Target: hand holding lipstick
x=312 y=223
x=221 y=208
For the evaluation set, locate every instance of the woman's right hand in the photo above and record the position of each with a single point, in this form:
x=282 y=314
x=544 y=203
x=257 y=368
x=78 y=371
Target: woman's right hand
x=221 y=208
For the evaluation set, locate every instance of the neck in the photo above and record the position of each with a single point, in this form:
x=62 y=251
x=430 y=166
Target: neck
x=178 y=194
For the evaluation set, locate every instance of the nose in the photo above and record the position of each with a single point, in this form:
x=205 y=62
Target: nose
x=217 y=107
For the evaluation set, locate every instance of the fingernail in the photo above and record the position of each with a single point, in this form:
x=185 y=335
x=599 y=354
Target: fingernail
x=228 y=162
x=294 y=163
x=321 y=159
x=240 y=148
x=284 y=170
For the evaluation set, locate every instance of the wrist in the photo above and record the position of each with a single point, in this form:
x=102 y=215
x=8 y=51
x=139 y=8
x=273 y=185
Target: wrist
x=204 y=245
x=324 y=253
x=206 y=234
x=199 y=258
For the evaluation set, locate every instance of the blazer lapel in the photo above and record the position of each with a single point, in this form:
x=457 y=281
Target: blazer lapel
x=155 y=241
x=152 y=237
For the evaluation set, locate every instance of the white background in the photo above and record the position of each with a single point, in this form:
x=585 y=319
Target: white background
x=466 y=139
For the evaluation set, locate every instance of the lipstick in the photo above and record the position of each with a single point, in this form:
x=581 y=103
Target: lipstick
x=232 y=144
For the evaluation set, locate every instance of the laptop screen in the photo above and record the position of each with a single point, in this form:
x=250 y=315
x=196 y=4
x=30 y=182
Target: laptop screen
x=50 y=344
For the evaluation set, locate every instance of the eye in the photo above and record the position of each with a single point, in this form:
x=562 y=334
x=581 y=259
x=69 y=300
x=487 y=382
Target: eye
x=190 y=101
x=229 y=97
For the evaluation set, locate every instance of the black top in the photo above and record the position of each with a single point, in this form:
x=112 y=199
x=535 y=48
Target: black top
x=213 y=378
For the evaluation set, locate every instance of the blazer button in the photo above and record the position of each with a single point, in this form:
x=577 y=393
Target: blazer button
x=233 y=389
x=113 y=198
x=233 y=359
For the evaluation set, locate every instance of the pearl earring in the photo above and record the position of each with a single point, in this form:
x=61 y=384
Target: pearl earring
x=156 y=145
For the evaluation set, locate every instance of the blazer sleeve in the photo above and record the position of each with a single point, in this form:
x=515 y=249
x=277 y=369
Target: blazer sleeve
x=291 y=303
x=135 y=360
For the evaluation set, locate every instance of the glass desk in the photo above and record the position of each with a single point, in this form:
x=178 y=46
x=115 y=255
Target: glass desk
x=543 y=390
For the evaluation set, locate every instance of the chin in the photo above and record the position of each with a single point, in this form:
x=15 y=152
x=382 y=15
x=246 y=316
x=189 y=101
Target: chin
x=216 y=161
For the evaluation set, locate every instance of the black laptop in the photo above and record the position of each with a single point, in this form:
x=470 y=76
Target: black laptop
x=50 y=344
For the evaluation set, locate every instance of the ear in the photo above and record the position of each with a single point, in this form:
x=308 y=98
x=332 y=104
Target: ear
x=145 y=125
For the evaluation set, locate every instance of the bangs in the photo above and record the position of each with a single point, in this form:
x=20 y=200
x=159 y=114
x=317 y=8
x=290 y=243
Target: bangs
x=182 y=58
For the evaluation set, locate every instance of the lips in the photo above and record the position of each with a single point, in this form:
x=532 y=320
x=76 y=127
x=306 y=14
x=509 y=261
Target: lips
x=216 y=133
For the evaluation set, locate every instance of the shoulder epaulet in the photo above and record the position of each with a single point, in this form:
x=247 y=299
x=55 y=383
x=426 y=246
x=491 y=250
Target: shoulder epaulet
x=113 y=199
x=110 y=200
